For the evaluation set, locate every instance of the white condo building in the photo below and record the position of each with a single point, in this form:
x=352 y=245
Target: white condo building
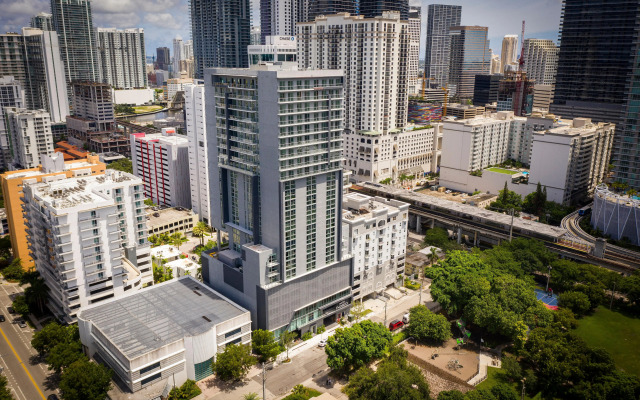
x=11 y=95
x=415 y=25
x=121 y=57
x=373 y=53
x=178 y=55
x=196 y=124
x=376 y=233
x=374 y=156
x=29 y=134
x=88 y=237
x=541 y=60
x=568 y=157
x=162 y=161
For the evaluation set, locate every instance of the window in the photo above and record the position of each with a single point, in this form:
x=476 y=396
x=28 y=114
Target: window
x=149 y=368
x=150 y=379
x=232 y=333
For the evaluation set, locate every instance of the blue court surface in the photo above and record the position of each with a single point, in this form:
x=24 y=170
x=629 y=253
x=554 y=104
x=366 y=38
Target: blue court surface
x=549 y=300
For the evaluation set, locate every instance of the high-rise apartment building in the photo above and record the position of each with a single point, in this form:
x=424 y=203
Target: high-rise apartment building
x=415 y=25
x=43 y=21
x=33 y=59
x=328 y=7
x=440 y=18
x=88 y=238
x=469 y=57
x=12 y=191
x=92 y=101
x=121 y=57
x=163 y=59
x=178 y=55
x=196 y=125
x=377 y=231
x=11 y=95
x=162 y=162
x=376 y=92
x=29 y=133
x=598 y=67
x=541 y=60
x=221 y=31
x=509 y=55
x=279 y=17
x=73 y=21
x=375 y=8
x=496 y=64
x=278 y=198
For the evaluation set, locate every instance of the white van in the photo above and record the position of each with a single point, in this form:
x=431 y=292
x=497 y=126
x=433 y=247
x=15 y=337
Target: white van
x=405 y=318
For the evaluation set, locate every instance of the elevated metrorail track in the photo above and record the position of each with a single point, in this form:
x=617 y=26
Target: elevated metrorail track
x=497 y=226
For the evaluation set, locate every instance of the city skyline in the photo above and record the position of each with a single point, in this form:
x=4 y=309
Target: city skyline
x=163 y=20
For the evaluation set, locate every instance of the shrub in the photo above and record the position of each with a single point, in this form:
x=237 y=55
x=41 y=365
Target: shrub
x=409 y=284
x=575 y=301
x=187 y=391
x=322 y=329
x=307 y=336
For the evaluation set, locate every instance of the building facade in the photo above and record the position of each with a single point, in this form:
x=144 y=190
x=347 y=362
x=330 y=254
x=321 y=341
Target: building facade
x=12 y=191
x=485 y=89
x=469 y=57
x=11 y=95
x=376 y=92
x=221 y=31
x=375 y=157
x=541 y=60
x=163 y=59
x=376 y=8
x=196 y=124
x=178 y=56
x=162 y=162
x=194 y=323
x=597 y=67
x=616 y=215
x=377 y=231
x=278 y=198
x=509 y=55
x=29 y=134
x=88 y=238
x=121 y=57
x=73 y=21
x=440 y=18
x=43 y=21
x=415 y=27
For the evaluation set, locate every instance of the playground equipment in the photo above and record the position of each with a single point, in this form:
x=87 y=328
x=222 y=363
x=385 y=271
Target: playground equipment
x=466 y=334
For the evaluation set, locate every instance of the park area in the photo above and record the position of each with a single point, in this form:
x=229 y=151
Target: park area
x=502 y=171
x=616 y=333
x=495 y=376
x=146 y=109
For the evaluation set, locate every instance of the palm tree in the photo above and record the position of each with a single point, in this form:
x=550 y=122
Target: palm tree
x=177 y=239
x=199 y=230
x=38 y=292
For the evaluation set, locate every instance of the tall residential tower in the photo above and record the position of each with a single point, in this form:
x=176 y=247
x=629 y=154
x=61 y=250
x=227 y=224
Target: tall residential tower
x=440 y=18
x=469 y=57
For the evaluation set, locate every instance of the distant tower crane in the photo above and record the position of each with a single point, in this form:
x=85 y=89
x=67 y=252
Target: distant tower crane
x=519 y=94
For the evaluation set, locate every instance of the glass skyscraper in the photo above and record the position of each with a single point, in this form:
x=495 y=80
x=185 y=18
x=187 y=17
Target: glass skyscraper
x=440 y=18
x=469 y=57
x=221 y=32
x=599 y=74
x=74 y=24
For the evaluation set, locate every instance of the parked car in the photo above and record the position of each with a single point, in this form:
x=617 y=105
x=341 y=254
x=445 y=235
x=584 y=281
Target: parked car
x=405 y=319
x=395 y=324
x=10 y=309
x=52 y=397
x=22 y=324
x=2 y=319
x=322 y=343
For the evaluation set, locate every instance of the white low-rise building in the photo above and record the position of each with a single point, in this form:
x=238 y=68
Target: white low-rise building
x=163 y=335
x=374 y=156
x=166 y=252
x=88 y=237
x=375 y=230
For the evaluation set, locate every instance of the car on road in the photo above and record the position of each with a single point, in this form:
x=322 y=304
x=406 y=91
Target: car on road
x=52 y=397
x=322 y=343
x=22 y=324
x=395 y=324
x=10 y=309
x=2 y=319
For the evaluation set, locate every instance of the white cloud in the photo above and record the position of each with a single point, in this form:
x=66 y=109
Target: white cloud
x=163 y=20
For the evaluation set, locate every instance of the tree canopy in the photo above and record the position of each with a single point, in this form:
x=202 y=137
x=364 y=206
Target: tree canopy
x=265 y=345
x=427 y=326
x=123 y=164
x=507 y=200
x=234 y=362
x=85 y=380
x=354 y=347
x=394 y=378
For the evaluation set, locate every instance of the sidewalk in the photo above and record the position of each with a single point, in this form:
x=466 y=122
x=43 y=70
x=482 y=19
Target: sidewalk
x=486 y=359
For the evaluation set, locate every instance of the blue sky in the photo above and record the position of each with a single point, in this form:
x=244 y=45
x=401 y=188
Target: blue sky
x=163 y=20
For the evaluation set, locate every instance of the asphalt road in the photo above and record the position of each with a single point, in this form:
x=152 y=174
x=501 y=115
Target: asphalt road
x=28 y=379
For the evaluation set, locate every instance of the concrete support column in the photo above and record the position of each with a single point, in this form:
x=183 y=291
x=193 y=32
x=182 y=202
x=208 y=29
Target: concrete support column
x=475 y=238
x=433 y=223
x=418 y=224
x=459 y=235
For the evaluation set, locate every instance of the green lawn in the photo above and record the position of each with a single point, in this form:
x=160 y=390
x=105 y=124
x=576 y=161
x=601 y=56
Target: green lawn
x=616 y=333
x=502 y=171
x=145 y=109
x=493 y=378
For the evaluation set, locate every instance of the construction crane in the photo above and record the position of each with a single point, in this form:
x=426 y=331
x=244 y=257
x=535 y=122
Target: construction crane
x=519 y=94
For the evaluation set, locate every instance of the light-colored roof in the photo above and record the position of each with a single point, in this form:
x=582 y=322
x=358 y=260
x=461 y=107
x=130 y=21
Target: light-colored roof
x=162 y=314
